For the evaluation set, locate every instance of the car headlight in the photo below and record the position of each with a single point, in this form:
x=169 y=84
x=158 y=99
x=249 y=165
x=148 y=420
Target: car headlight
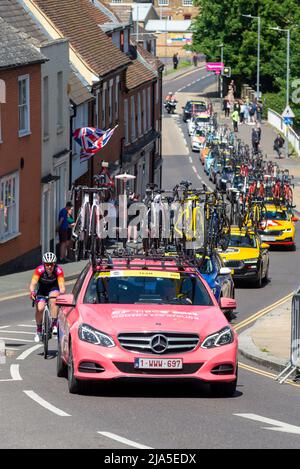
x=224 y=180
x=223 y=337
x=93 y=336
x=289 y=230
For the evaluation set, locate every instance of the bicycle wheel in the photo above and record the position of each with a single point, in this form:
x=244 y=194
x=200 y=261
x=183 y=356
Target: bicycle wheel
x=46 y=330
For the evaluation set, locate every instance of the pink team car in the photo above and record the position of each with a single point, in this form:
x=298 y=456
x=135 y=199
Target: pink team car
x=145 y=319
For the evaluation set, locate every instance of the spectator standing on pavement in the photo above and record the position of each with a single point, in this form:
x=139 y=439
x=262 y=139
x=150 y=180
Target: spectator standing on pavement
x=235 y=120
x=246 y=112
x=195 y=60
x=278 y=144
x=71 y=223
x=256 y=136
x=259 y=111
x=226 y=107
x=62 y=229
x=252 y=112
x=175 y=61
x=242 y=112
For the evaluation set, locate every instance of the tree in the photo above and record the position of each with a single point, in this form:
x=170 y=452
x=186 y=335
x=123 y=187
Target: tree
x=221 y=21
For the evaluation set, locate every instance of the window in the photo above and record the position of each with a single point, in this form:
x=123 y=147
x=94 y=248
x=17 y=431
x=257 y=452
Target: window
x=45 y=107
x=187 y=17
x=117 y=97
x=148 y=109
x=187 y=3
x=104 y=106
x=116 y=1
x=9 y=206
x=144 y=111
x=139 y=115
x=59 y=119
x=133 y=133
x=126 y=121
x=110 y=107
x=24 y=106
x=163 y=2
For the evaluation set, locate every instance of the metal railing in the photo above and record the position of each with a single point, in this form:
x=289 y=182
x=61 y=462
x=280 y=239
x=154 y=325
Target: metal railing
x=276 y=121
x=294 y=363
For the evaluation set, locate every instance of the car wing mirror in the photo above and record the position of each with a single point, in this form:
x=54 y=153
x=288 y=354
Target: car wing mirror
x=66 y=300
x=227 y=303
x=265 y=246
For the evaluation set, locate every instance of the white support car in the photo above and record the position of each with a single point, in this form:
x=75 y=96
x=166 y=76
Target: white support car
x=197 y=139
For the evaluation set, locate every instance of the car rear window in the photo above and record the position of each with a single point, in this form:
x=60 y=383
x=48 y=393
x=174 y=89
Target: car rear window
x=147 y=287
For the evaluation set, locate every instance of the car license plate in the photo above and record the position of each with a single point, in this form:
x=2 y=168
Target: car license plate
x=268 y=238
x=158 y=363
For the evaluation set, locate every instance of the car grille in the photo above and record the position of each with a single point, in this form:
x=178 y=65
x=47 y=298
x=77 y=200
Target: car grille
x=187 y=369
x=141 y=342
x=272 y=233
x=235 y=264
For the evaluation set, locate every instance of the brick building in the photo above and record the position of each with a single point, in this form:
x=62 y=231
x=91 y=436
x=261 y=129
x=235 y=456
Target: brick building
x=20 y=150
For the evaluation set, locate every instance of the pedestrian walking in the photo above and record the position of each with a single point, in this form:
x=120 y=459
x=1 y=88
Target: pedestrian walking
x=235 y=120
x=71 y=223
x=175 y=61
x=252 y=112
x=278 y=144
x=195 y=60
x=62 y=229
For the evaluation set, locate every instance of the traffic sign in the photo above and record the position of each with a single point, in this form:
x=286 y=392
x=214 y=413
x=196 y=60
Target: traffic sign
x=288 y=120
x=288 y=113
x=214 y=66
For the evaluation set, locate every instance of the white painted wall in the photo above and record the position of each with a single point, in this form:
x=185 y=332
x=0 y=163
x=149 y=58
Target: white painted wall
x=276 y=121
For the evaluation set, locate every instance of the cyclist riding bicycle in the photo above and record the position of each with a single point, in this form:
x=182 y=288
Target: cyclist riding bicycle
x=261 y=191
x=47 y=281
x=288 y=193
x=277 y=190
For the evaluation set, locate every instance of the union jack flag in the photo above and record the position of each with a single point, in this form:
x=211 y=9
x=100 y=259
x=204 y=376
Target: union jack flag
x=91 y=140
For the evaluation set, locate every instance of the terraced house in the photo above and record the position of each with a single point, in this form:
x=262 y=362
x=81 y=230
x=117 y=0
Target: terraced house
x=94 y=75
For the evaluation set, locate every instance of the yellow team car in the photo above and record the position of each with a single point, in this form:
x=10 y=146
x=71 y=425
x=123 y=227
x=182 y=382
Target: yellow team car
x=247 y=256
x=279 y=227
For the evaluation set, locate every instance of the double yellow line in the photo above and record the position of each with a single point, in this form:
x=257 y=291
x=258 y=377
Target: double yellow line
x=262 y=312
x=266 y=374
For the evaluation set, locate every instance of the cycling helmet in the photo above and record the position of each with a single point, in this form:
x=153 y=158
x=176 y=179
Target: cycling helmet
x=49 y=258
x=170 y=93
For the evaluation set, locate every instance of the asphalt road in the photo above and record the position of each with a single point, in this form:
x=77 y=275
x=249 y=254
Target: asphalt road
x=36 y=410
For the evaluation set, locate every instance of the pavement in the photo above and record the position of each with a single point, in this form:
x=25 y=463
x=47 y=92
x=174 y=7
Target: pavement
x=267 y=341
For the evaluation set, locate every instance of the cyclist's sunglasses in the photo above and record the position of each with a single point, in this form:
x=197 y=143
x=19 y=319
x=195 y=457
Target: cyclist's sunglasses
x=47 y=264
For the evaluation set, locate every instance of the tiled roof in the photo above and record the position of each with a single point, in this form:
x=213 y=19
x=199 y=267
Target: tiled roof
x=123 y=12
x=151 y=59
x=15 y=50
x=75 y=22
x=14 y=14
x=137 y=74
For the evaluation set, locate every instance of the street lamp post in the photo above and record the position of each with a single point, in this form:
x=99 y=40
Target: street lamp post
x=288 y=31
x=258 y=52
x=221 y=75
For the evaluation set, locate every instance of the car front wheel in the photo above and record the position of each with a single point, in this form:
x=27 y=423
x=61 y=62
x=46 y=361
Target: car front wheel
x=75 y=386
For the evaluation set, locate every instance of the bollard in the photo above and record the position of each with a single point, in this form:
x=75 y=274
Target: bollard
x=2 y=352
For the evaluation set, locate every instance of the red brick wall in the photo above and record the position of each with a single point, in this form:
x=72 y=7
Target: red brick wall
x=12 y=150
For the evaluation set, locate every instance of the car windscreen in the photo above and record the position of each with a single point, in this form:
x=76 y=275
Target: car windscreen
x=146 y=287
x=242 y=241
x=206 y=267
x=276 y=215
x=199 y=107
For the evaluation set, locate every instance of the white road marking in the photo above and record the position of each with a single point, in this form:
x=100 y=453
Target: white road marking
x=29 y=351
x=15 y=373
x=4 y=327
x=199 y=177
x=35 y=397
x=16 y=340
x=26 y=325
x=279 y=426
x=190 y=159
x=19 y=332
x=194 y=169
x=113 y=436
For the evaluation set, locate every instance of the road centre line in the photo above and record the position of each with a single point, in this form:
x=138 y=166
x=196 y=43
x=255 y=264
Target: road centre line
x=19 y=332
x=262 y=312
x=190 y=160
x=15 y=373
x=115 y=437
x=29 y=351
x=4 y=327
x=25 y=293
x=27 y=325
x=39 y=400
x=16 y=340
